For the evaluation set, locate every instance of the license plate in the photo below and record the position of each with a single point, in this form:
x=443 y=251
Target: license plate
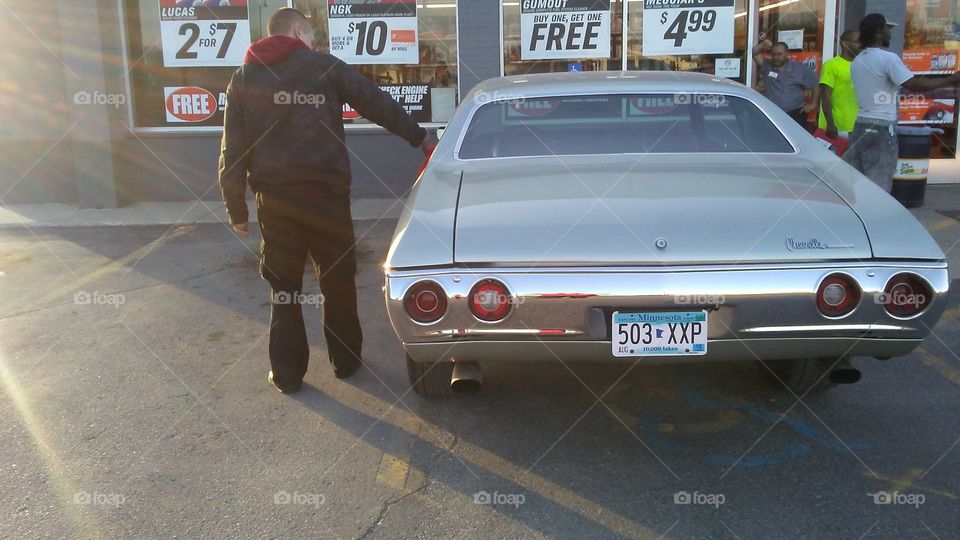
x=673 y=333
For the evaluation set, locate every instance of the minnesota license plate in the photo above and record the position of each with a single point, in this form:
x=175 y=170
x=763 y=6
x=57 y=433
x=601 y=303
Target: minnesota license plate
x=673 y=333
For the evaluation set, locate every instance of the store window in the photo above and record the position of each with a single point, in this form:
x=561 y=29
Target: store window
x=574 y=35
x=799 y=24
x=931 y=47
x=180 y=59
x=181 y=54
x=707 y=40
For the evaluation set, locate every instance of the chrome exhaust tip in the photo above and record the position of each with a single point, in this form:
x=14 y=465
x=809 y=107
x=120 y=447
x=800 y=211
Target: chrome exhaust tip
x=466 y=378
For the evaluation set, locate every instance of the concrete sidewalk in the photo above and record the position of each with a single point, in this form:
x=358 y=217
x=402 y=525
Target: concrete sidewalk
x=158 y=213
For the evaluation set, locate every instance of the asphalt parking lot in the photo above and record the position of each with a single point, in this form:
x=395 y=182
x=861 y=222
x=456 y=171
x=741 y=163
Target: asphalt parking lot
x=134 y=404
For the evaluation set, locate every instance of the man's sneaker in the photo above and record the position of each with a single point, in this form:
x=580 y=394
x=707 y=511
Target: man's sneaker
x=282 y=389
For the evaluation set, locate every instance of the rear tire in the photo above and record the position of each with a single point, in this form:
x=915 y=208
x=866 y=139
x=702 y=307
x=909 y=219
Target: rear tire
x=802 y=376
x=430 y=379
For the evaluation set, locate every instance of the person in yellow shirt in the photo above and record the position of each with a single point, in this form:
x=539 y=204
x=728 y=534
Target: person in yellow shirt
x=838 y=101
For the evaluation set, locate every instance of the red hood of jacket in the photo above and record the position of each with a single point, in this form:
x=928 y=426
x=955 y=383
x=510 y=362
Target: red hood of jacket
x=272 y=49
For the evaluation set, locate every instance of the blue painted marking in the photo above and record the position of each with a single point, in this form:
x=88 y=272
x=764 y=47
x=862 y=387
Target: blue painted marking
x=663 y=442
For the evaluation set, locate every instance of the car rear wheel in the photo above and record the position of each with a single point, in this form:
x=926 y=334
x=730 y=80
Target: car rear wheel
x=430 y=379
x=805 y=375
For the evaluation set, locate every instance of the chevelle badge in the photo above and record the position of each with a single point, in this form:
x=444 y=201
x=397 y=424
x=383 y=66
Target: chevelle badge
x=812 y=243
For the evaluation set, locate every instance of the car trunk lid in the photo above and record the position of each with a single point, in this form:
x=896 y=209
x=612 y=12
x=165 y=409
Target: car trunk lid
x=664 y=209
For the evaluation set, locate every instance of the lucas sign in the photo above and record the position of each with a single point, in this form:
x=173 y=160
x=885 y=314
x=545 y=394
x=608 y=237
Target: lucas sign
x=559 y=29
x=374 y=31
x=214 y=33
x=681 y=27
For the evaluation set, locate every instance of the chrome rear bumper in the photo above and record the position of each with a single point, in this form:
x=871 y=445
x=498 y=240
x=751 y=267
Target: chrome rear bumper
x=754 y=311
x=721 y=350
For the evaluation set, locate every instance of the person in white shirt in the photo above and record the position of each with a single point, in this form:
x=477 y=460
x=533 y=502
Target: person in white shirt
x=877 y=76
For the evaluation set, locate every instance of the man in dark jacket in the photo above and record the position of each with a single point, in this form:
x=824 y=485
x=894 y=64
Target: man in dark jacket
x=283 y=133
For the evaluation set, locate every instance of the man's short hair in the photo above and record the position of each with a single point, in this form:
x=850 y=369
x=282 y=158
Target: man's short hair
x=782 y=44
x=283 y=20
x=847 y=35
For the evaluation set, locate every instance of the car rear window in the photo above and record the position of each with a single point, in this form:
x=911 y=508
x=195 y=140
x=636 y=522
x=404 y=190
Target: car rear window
x=620 y=124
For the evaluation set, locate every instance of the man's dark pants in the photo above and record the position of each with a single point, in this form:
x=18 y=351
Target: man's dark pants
x=873 y=150
x=799 y=116
x=299 y=220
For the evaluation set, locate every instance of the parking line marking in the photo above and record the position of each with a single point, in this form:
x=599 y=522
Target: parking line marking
x=947 y=371
x=946 y=223
x=373 y=406
x=393 y=471
x=949 y=315
x=906 y=482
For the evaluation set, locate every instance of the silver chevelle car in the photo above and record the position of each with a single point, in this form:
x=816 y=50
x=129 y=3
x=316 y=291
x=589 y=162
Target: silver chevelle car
x=650 y=217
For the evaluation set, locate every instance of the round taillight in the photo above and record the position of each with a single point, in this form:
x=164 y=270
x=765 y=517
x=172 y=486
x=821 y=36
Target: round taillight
x=906 y=295
x=489 y=300
x=425 y=301
x=838 y=295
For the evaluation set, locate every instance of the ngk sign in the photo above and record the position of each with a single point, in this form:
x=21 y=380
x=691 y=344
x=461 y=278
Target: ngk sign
x=189 y=104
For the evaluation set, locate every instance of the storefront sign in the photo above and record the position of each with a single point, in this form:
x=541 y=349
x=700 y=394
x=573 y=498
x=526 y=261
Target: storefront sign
x=931 y=62
x=681 y=27
x=811 y=59
x=415 y=99
x=562 y=29
x=216 y=33
x=192 y=104
x=921 y=109
x=793 y=38
x=912 y=169
x=374 y=31
x=727 y=67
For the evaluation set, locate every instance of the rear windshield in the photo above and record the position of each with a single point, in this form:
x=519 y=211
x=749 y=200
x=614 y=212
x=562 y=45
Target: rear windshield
x=620 y=124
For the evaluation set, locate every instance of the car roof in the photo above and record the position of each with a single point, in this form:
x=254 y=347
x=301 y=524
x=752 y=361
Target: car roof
x=604 y=81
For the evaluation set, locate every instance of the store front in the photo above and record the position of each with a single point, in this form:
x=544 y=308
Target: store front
x=421 y=67
x=170 y=61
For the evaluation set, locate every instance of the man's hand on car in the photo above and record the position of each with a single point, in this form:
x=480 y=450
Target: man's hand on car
x=429 y=144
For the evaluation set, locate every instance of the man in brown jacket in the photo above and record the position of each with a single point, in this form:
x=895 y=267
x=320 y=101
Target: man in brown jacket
x=283 y=134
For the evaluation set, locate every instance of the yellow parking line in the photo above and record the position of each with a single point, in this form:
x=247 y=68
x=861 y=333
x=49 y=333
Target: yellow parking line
x=393 y=471
x=949 y=315
x=477 y=457
x=946 y=223
x=906 y=484
x=943 y=368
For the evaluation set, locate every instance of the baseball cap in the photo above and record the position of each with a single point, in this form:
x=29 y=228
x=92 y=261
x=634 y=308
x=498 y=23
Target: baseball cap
x=874 y=20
